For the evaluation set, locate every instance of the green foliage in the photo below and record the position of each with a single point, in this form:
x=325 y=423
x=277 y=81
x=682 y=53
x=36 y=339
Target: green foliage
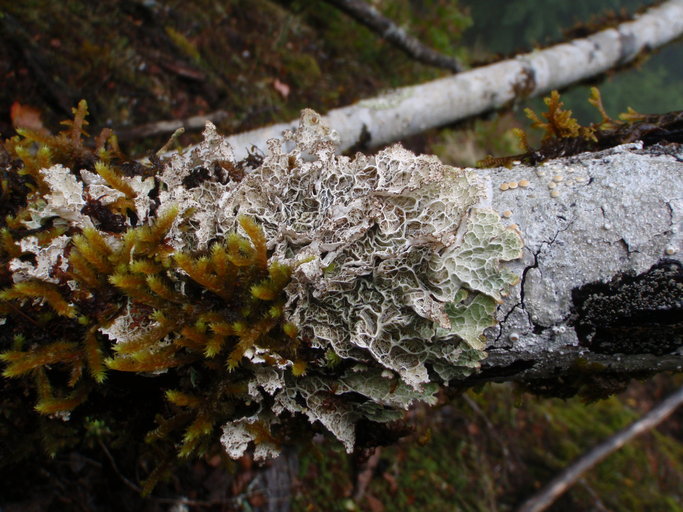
x=438 y=24
x=493 y=448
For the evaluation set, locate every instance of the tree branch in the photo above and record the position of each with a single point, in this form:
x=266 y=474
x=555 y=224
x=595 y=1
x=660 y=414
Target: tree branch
x=275 y=482
x=570 y=475
x=367 y=15
x=411 y=110
x=193 y=123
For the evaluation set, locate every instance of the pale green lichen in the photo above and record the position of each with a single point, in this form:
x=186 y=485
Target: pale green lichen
x=402 y=271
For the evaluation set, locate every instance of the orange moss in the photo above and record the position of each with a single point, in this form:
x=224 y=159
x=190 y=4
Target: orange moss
x=185 y=312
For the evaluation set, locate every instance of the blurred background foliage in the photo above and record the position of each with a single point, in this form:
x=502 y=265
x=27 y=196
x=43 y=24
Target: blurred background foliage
x=489 y=449
x=261 y=61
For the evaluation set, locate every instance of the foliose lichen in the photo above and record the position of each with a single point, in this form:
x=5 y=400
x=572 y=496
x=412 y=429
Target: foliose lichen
x=307 y=284
x=396 y=271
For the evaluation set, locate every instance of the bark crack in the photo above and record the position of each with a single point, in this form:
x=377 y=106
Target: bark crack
x=537 y=328
x=504 y=321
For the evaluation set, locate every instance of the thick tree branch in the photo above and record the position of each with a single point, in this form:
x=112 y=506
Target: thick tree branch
x=599 y=296
x=367 y=15
x=410 y=110
x=570 y=475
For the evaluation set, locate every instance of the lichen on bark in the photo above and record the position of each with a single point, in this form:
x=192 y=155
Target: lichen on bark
x=305 y=284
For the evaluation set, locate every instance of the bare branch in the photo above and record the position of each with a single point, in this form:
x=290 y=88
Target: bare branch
x=407 y=111
x=193 y=123
x=367 y=15
x=365 y=473
x=570 y=475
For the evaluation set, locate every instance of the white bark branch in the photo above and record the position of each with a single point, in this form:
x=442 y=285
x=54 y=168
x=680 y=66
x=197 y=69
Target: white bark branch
x=570 y=475
x=409 y=110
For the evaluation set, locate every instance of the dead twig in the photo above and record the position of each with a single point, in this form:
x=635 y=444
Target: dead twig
x=492 y=431
x=367 y=15
x=175 y=501
x=164 y=127
x=543 y=499
x=365 y=474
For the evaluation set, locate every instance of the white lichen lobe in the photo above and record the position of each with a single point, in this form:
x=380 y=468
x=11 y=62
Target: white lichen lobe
x=47 y=260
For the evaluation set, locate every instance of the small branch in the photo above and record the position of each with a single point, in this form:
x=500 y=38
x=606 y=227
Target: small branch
x=365 y=474
x=492 y=430
x=112 y=462
x=367 y=15
x=570 y=475
x=164 y=127
x=138 y=490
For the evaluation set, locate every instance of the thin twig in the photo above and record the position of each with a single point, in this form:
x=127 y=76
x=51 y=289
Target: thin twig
x=598 y=505
x=367 y=15
x=138 y=489
x=367 y=470
x=163 y=127
x=543 y=499
x=492 y=430
x=112 y=462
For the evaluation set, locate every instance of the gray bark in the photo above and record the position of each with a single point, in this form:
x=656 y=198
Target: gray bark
x=601 y=287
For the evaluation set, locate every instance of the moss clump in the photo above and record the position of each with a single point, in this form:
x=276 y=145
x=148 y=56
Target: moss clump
x=106 y=293
x=564 y=135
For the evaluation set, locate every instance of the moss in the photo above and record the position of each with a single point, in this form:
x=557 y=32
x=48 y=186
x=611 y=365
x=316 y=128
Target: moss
x=60 y=324
x=563 y=135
